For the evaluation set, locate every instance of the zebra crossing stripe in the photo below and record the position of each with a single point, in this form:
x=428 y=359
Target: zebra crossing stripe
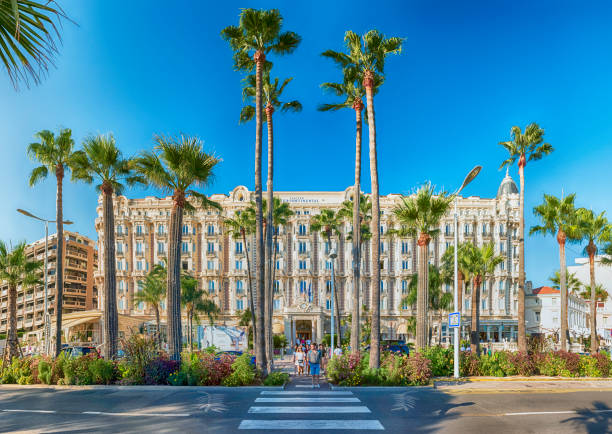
x=296 y=392
x=309 y=399
x=313 y=409
x=309 y=424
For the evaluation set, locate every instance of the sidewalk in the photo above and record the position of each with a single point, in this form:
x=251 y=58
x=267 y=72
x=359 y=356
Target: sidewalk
x=522 y=384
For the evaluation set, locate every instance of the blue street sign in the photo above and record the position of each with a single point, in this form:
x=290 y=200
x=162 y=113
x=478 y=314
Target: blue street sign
x=454 y=319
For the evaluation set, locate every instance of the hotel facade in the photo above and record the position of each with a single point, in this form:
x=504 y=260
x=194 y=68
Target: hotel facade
x=302 y=286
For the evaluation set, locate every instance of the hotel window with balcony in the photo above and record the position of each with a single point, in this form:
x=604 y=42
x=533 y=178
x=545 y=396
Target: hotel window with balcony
x=210 y=230
x=160 y=229
x=139 y=248
x=277 y=304
x=119 y=230
x=119 y=247
x=211 y=286
x=160 y=247
x=239 y=265
x=239 y=287
x=210 y=247
x=303 y=286
x=405 y=265
x=404 y=248
x=119 y=265
x=328 y=304
x=239 y=247
x=138 y=230
x=138 y=265
x=302 y=265
x=404 y=287
x=185 y=230
x=301 y=247
x=239 y=304
x=210 y=265
x=185 y=247
x=302 y=229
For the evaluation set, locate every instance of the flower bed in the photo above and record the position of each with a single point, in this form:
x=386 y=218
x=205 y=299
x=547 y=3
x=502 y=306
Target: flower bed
x=419 y=368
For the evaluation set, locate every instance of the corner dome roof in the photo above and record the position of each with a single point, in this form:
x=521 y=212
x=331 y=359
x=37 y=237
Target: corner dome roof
x=507 y=186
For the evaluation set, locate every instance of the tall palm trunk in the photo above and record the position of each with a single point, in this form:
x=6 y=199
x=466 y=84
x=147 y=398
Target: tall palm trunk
x=111 y=321
x=475 y=332
x=522 y=337
x=368 y=84
x=158 y=322
x=592 y=250
x=12 y=344
x=251 y=302
x=174 y=277
x=336 y=307
x=561 y=237
x=269 y=232
x=59 y=270
x=358 y=107
x=422 y=292
x=260 y=350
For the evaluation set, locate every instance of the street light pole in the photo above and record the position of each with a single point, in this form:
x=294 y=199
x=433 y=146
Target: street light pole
x=332 y=256
x=469 y=178
x=46 y=319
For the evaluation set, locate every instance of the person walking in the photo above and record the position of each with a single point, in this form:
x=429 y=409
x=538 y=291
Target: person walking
x=323 y=357
x=295 y=365
x=299 y=360
x=314 y=361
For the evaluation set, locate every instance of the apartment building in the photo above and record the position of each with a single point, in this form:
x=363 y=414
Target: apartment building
x=80 y=293
x=302 y=283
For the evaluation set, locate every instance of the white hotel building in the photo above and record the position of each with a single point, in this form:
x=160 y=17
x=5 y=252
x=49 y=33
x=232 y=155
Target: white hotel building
x=303 y=271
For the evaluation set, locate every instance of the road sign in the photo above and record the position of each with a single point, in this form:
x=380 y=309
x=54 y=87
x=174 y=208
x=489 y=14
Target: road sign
x=454 y=319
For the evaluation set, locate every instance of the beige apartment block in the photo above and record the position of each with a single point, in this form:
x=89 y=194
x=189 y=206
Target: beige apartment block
x=303 y=270
x=80 y=293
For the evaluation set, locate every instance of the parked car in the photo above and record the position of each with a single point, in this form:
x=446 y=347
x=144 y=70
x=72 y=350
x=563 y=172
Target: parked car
x=77 y=351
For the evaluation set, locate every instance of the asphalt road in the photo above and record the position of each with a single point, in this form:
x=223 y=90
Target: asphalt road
x=221 y=410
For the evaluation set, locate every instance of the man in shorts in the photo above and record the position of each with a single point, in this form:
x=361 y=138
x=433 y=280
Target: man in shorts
x=314 y=360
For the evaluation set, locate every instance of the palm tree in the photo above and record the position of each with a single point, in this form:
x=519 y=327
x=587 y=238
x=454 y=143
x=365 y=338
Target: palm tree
x=246 y=320
x=420 y=216
x=574 y=285
x=273 y=91
x=194 y=301
x=362 y=213
x=100 y=159
x=240 y=226
x=439 y=300
x=153 y=291
x=257 y=34
x=600 y=293
x=482 y=262
x=595 y=229
x=353 y=92
x=177 y=165
x=328 y=222
x=365 y=61
x=607 y=252
x=16 y=269
x=524 y=147
x=558 y=218
x=55 y=154
x=28 y=31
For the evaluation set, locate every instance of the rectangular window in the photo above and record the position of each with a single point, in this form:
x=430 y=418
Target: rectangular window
x=276 y=286
x=211 y=286
x=239 y=287
x=278 y=265
x=328 y=265
x=239 y=304
x=302 y=265
x=139 y=265
x=185 y=247
x=302 y=247
x=210 y=230
x=238 y=265
x=160 y=247
x=328 y=304
x=119 y=247
x=303 y=286
x=328 y=285
x=382 y=247
x=119 y=230
x=210 y=265
x=405 y=265
x=119 y=265
x=210 y=247
x=302 y=229
x=238 y=247
x=404 y=247
x=185 y=230
x=138 y=230
x=139 y=248
x=404 y=287
x=277 y=304
x=160 y=229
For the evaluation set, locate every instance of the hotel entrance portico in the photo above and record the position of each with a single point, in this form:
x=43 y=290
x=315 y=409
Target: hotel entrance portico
x=304 y=321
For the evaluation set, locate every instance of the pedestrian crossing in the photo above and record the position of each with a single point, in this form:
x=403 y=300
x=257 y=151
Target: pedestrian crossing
x=278 y=417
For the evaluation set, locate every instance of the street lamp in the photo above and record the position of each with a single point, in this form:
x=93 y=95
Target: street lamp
x=46 y=320
x=469 y=178
x=332 y=255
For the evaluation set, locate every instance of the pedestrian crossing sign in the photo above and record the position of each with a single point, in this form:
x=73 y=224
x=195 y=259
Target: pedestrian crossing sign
x=454 y=319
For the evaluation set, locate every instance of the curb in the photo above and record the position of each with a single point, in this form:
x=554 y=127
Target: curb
x=134 y=388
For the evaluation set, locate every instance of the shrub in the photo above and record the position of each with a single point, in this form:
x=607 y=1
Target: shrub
x=468 y=364
x=588 y=367
x=346 y=370
x=158 y=369
x=139 y=352
x=17 y=372
x=103 y=371
x=441 y=360
x=493 y=365
x=276 y=379
x=45 y=371
x=76 y=370
x=243 y=372
x=420 y=370
x=604 y=364
x=572 y=363
x=216 y=368
x=521 y=363
x=552 y=365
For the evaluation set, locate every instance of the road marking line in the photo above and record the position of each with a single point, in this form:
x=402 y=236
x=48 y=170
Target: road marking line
x=529 y=413
x=313 y=399
x=140 y=414
x=295 y=392
x=315 y=409
x=30 y=411
x=307 y=424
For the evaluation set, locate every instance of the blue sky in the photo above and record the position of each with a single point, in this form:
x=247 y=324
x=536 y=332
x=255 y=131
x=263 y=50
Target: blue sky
x=468 y=72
